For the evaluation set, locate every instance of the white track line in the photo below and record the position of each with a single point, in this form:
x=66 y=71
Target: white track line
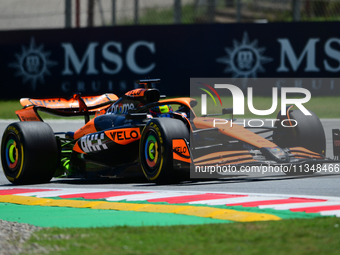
x=330 y=213
x=57 y=193
x=226 y=201
x=298 y=205
x=147 y=196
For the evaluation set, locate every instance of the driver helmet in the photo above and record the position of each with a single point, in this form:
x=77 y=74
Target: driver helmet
x=161 y=110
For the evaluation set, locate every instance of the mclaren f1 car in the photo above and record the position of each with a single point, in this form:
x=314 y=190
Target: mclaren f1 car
x=144 y=133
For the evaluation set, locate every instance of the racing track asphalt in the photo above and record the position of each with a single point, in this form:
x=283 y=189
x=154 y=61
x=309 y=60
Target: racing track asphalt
x=320 y=184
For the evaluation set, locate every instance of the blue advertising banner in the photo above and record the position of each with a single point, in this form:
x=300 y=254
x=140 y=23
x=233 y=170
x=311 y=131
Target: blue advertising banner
x=59 y=62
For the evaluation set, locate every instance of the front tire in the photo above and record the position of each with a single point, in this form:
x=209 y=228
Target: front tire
x=308 y=133
x=29 y=152
x=156 y=148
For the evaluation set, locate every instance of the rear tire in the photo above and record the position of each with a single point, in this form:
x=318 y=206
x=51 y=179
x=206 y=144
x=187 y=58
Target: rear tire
x=156 y=148
x=29 y=152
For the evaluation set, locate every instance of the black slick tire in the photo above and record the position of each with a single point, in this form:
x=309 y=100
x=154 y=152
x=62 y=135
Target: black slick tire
x=29 y=152
x=155 y=149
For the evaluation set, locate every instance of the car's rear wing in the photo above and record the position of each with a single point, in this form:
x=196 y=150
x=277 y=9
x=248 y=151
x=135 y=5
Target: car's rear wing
x=74 y=106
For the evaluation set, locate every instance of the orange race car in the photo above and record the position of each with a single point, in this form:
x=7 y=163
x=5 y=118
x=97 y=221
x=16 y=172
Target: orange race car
x=163 y=139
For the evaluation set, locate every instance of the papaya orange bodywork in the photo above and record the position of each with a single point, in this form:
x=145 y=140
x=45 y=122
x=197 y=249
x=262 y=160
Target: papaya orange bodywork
x=63 y=103
x=301 y=152
x=88 y=128
x=181 y=147
x=123 y=136
x=28 y=114
x=136 y=92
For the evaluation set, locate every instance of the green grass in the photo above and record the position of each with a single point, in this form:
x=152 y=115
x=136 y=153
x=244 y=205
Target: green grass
x=324 y=107
x=8 y=108
x=306 y=236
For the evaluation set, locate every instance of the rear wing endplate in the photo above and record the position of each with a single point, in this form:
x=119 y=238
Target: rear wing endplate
x=74 y=106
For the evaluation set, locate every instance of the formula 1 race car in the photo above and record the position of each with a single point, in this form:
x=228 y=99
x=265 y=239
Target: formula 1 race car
x=139 y=133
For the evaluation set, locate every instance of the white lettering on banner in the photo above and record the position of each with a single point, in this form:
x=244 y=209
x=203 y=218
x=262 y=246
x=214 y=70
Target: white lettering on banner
x=332 y=53
x=131 y=57
x=88 y=59
x=112 y=57
x=80 y=86
x=309 y=52
x=71 y=57
x=93 y=86
x=65 y=86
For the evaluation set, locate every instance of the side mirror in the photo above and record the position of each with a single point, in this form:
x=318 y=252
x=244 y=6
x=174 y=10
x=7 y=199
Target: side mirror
x=193 y=103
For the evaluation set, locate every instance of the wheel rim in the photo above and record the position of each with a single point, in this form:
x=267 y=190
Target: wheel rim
x=12 y=154
x=151 y=151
